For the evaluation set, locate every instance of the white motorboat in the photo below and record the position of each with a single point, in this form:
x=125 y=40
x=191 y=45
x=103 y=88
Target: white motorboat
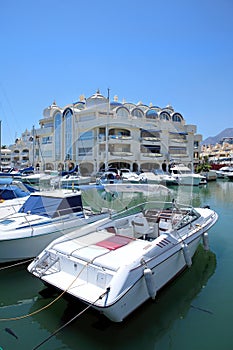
x=108 y=177
x=43 y=217
x=158 y=177
x=69 y=180
x=223 y=172
x=129 y=176
x=210 y=175
x=185 y=176
x=116 y=264
x=166 y=178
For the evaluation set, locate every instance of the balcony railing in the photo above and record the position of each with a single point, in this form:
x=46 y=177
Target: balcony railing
x=121 y=154
x=151 y=155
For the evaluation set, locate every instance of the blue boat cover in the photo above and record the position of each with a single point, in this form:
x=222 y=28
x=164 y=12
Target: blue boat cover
x=52 y=206
x=11 y=192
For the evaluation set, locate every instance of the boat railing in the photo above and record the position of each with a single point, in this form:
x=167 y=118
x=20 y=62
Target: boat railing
x=45 y=263
x=41 y=211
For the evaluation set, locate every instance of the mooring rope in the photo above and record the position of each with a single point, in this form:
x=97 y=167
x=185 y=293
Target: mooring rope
x=16 y=264
x=49 y=304
x=71 y=320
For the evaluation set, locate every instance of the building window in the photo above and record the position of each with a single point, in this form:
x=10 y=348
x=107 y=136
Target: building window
x=48 y=125
x=84 y=151
x=137 y=113
x=46 y=140
x=150 y=134
x=86 y=136
x=151 y=114
x=178 y=150
x=178 y=136
x=155 y=149
x=122 y=112
x=164 y=116
x=68 y=133
x=177 y=118
x=57 y=135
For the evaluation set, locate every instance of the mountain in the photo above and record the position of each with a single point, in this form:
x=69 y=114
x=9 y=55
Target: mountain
x=212 y=140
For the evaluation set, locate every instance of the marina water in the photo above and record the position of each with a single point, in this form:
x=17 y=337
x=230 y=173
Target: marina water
x=193 y=312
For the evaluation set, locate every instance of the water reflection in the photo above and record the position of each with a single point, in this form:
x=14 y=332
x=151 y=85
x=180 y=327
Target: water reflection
x=17 y=279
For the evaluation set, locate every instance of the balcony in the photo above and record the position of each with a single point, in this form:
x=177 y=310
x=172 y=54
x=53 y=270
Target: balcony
x=150 y=138
x=121 y=154
x=177 y=140
x=151 y=155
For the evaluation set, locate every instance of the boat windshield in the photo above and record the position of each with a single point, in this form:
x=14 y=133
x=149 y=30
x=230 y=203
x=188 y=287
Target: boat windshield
x=52 y=206
x=191 y=216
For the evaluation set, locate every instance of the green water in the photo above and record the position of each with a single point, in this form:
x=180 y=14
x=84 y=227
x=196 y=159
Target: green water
x=193 y=312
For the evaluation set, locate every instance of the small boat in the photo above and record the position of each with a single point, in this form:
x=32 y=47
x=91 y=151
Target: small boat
x=223 y=172
x=185 y=176
x=116 y=264
x=129 y=176
x=69 y=180
x=41 y=180
x=108 y=177
x=210 y=175
x=158 y=177
x=43 y=217
x=166 y=178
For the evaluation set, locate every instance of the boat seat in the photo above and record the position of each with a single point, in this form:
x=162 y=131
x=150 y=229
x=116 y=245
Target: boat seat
x=165 y=225
x=141 y=226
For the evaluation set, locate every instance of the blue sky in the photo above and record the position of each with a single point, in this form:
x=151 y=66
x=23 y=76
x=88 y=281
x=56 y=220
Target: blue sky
x=165 y=52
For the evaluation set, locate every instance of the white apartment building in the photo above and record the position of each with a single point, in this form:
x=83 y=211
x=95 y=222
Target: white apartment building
x=96 y=133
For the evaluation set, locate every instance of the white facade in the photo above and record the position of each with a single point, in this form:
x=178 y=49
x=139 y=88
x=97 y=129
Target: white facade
x=5 y=161
x=95 y=134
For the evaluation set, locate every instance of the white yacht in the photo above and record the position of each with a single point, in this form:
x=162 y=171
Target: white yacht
x=185 y=176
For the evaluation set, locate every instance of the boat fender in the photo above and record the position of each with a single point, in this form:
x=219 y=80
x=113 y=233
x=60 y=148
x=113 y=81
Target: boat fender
x=187 y=257
x=205 y=239
x=150 y=283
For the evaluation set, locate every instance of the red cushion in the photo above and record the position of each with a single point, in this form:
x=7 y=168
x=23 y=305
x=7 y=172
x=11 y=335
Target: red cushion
x=114 y=242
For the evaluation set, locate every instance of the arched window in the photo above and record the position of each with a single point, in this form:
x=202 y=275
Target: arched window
x=68 y=133
x=122 y=112
x=151 y=114
x=164 y=116
x=57 y=135
x=79 y=105
x=137 y=112
x=129 y=106
x=176 y=117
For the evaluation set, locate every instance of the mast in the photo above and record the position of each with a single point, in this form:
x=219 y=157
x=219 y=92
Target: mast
x=106 y=134
x=1 y=144
x=33 y=145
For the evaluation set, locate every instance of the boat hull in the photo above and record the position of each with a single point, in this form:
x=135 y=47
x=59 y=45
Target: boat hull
x=162 y=273
x=31 y=241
